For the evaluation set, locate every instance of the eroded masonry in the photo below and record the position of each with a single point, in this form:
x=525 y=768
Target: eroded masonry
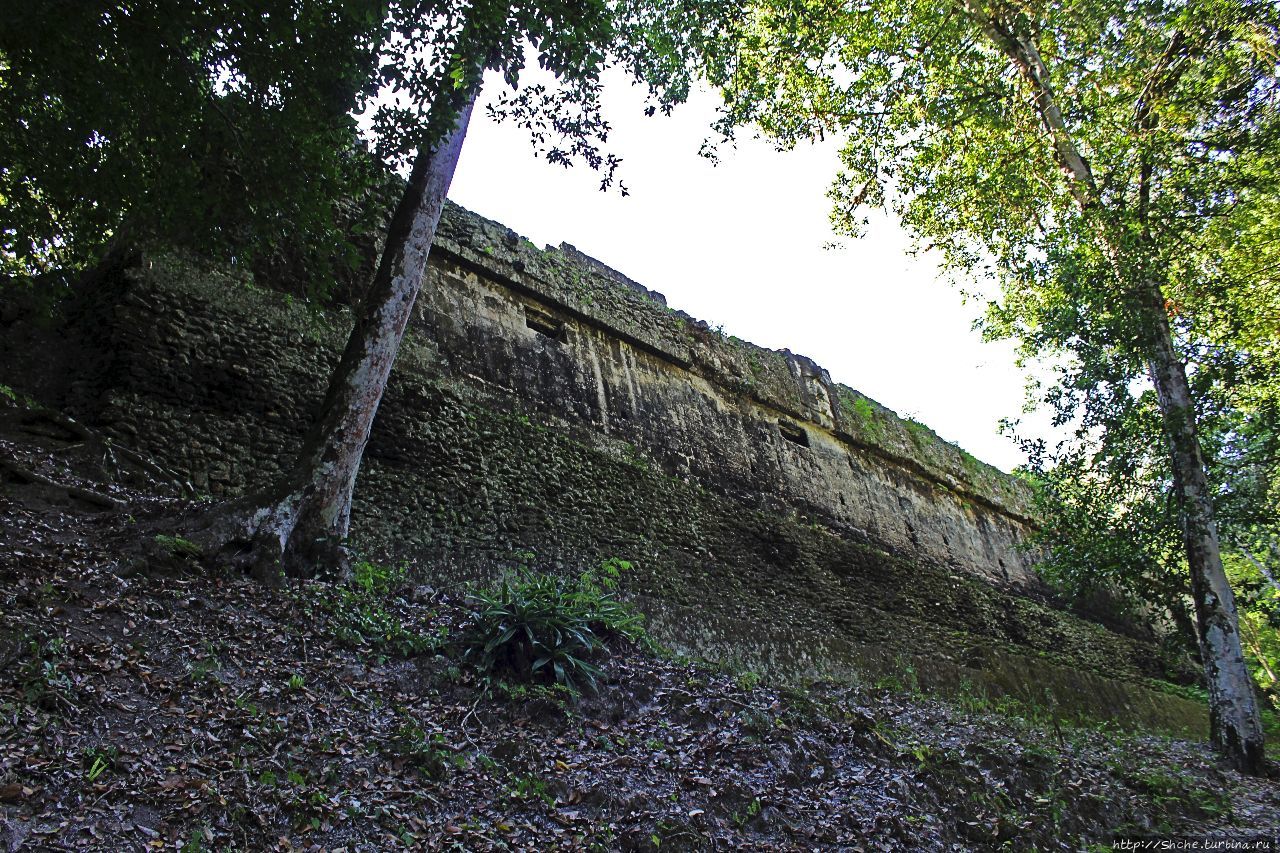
x=547 y=409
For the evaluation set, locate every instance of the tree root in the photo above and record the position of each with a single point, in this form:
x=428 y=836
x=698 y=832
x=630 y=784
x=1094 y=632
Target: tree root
x=259 y=535
x=112 y=452
x=272 y=535
x=88 y=495
x=34 y=416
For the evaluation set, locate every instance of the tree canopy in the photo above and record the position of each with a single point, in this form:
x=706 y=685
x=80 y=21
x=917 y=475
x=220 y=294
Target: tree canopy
x=234 y=129
x=224 y=127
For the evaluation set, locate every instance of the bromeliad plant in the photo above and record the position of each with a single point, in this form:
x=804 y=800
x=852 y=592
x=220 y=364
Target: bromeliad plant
x=534 y=626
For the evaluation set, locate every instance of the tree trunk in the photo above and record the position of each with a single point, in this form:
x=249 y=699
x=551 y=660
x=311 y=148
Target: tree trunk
x=1251 y=637
x=1235 y=725
x=1261 y=567
x=300 y=524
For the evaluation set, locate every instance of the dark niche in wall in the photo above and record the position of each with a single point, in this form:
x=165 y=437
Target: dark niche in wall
x=544 y=324
x=794 y=433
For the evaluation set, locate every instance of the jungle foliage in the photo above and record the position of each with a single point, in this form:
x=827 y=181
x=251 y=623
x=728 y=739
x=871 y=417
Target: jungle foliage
x=226 y=128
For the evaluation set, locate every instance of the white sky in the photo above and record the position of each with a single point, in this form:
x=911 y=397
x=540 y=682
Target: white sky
x=741 y=244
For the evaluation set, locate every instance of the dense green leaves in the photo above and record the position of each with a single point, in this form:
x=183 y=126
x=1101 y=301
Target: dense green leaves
x=551 y=629
x=231 y=128
x=568 y=46
x=217 y=126
x=939 y=125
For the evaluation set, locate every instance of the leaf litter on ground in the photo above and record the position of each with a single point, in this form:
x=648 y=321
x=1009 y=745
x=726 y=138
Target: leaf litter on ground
x=166 y=706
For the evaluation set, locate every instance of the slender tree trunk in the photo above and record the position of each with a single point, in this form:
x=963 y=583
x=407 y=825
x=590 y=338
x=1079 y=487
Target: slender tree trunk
x=1261 y=567
x=300 y=524
x=1235 y=725
x=1250 y=637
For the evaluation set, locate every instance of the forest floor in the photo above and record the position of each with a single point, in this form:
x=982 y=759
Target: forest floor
x=154 y=704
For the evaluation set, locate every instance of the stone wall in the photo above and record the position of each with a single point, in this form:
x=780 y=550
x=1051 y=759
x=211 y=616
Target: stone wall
x=585 y=344
x=545 y=405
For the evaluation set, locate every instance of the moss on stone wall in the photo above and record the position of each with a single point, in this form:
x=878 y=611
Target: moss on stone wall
x=790 y=383
x=219 y=380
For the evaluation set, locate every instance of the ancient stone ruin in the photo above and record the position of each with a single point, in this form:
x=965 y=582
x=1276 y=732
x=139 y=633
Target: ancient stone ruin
x=547 y=409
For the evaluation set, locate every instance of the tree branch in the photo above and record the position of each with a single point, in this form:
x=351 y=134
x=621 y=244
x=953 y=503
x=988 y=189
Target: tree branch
x=1022 y=51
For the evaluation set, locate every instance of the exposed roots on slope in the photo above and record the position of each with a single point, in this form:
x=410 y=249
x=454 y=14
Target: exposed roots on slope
x=270 y=536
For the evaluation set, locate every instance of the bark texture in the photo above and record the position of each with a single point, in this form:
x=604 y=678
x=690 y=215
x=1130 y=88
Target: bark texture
x=300 y=525
x=1235 y=725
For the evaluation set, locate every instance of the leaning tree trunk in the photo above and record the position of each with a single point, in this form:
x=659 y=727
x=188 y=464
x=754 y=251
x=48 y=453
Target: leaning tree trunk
x=1235 y=725
x=300 y=524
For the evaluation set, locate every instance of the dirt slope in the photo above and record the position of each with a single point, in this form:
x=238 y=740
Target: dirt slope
x=146 y=702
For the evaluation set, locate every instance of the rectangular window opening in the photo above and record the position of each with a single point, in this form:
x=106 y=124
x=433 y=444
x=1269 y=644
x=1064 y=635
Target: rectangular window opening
x=793 y=433
x=544 y=324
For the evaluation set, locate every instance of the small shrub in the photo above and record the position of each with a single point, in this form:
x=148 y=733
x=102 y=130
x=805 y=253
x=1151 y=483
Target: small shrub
x=197 y=839
x=205 y=669
x=757 y=722
x=541 y=627
x=362 y=622
x=358 y=616
x=753 y=810
x=863 y=412
x=98 y=761
x=427 y=753
x=41 y=676
x=1176 y=796
x=530 y=788
x=377 y=579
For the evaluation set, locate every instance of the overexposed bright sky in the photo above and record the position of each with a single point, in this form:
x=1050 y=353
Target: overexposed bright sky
x=741 y=244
